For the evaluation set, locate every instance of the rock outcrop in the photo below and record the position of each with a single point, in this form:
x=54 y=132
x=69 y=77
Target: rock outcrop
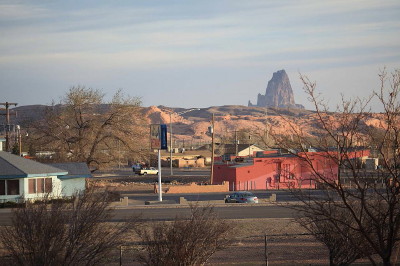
x=279 y=93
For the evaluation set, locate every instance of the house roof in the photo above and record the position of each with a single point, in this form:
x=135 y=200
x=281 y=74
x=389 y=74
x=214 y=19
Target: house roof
x=229 y=147
x=75 y=170
x=13 y=166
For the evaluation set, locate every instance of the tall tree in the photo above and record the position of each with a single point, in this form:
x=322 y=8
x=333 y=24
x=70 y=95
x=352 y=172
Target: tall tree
x=360 y=205
x=87 y=129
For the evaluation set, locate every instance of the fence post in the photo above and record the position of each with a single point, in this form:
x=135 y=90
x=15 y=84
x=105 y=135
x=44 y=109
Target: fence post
x=120 y=255
x=265 y=249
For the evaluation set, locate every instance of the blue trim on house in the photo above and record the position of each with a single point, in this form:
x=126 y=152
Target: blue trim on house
x=32 y=175
x=74 y=176
x=12 y=177
x=48 y=174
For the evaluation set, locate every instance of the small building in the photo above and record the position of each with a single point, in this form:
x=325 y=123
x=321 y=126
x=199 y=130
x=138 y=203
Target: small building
x=188 y=158
x=240 y=149
x=24 y=179
x=75 y=180
x=277 y=170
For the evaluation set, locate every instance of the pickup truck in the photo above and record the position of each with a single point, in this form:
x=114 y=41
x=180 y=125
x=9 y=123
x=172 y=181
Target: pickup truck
x=146 y=171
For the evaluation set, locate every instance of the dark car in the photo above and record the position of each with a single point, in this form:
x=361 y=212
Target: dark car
x=136 y=167
x=241 y=197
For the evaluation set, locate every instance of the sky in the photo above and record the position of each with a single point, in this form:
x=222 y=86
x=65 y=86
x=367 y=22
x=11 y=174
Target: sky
x=195 y=54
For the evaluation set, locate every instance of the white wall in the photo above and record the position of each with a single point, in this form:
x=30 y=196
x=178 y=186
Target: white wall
x=24 y=189
x=61 y=188
x=55 y=193
x=71 y=186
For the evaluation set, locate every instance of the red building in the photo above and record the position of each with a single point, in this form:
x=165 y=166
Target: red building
x=278 y=171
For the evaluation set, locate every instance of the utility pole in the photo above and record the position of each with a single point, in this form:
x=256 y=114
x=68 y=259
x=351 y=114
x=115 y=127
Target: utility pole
x=170 y=143
x=212 y=151
x=236 y=143
x=266 y=127
x=171 y=136
x=249 y=145
x=7 y=105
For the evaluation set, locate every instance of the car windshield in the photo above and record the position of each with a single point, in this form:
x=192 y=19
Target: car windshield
x=248 y=194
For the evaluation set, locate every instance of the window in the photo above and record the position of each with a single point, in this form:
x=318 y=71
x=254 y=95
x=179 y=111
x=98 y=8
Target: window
x=286 y=171
x=48 y=185
x=31 y=186
x=12 y=187
x=9 y=187
x=40 y=185
x=2 y=187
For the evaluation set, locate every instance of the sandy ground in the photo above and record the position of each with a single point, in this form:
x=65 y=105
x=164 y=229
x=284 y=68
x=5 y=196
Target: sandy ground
x=287 y=242
x=285 y=245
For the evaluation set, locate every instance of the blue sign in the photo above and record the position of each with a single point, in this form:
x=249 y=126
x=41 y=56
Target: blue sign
x=158 y=136
x=163 y=137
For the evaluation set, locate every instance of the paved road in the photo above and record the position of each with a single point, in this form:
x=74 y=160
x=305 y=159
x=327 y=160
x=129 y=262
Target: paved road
x=230 y=212
x=169 y=212
x=180 y=175
x=165 y=172
x=282 y=195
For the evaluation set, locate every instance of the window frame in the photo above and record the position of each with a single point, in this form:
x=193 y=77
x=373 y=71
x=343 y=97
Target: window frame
x=3 y=189
x=9 y=188
x=41 y=185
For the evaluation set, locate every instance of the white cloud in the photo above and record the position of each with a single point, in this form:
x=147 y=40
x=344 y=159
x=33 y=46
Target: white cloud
x=12 y=11
x=83 y=39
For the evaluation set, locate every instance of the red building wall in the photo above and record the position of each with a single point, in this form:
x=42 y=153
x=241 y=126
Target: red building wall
x=279 y=172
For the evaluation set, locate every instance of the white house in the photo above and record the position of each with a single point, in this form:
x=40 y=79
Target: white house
x=23 y=179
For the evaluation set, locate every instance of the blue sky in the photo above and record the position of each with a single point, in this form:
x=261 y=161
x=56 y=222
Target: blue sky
x=194 y=53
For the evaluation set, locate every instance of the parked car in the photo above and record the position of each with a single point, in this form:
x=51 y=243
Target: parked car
x=241 y=197
x=147 y=171
x=136 y=167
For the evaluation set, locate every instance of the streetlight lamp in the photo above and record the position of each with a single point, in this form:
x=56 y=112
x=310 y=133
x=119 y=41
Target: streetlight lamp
x=170 y=133
x=19 y=139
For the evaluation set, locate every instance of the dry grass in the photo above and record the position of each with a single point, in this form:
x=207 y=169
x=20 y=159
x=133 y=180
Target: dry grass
x=285 y=245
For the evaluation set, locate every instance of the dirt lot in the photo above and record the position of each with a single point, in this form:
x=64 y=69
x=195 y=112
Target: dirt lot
x=285 y=245
x=286 y=242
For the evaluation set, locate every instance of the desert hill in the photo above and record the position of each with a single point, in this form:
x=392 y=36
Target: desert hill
x=193 y=125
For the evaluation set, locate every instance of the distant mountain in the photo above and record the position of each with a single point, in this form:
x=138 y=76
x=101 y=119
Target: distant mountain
x=279 y=93
x=192 y=127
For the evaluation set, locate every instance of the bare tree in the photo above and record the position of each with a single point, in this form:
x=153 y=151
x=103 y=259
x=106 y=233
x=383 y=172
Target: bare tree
x=189 y=241
x=86 y=129
x=368 y=199
x=334 y=233
x=54 y=232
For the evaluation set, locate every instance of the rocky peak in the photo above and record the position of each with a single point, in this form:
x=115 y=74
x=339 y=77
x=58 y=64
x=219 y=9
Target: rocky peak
x=279 y=93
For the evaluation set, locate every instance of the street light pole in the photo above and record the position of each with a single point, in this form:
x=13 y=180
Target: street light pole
x=171 y=136
x=19 y=140
x=170 y=143
x=212 y=151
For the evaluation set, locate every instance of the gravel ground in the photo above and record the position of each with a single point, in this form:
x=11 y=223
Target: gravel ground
x=285 y=245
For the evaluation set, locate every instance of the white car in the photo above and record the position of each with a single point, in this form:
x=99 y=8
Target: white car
x=148 y=171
